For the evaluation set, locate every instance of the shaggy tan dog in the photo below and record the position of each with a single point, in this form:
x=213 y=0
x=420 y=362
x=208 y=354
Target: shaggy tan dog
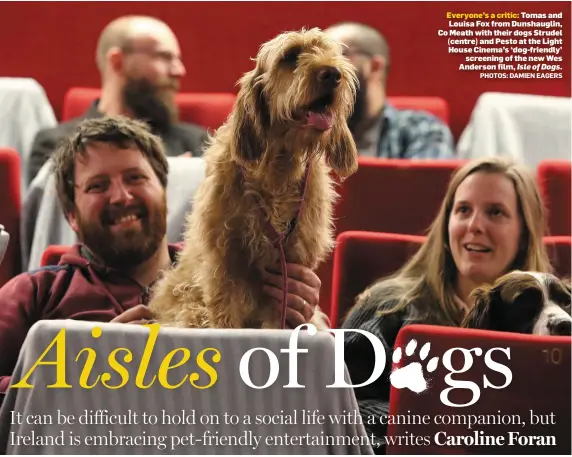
x=287 y=131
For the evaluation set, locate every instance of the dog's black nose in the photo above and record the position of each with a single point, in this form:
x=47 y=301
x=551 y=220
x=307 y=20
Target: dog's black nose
x=330 y=75
x=561 y=327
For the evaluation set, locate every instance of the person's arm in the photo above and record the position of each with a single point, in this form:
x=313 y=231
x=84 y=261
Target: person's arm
x=42 y=149
x=17 y=302
x=428 y=138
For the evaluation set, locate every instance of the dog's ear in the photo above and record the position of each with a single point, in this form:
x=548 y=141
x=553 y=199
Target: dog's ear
x=342 y=156
x=480 y=316
x=250 y=117
x=523 y=297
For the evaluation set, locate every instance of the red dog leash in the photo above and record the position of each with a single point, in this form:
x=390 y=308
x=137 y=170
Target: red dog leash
x=278 y=240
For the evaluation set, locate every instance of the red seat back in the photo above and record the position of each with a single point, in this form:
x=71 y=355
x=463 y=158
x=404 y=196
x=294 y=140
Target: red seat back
x=361 y=258
x=541 y=379
x=77 y=101
x=389 y=195
x=10 y=208
x=434 y=105
x=52 y=254
x=394 y=195
x=208 y=110
x=554 y=180
x=559 y=250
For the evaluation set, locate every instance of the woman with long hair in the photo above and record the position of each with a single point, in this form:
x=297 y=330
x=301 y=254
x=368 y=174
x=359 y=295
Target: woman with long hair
x=492 y=220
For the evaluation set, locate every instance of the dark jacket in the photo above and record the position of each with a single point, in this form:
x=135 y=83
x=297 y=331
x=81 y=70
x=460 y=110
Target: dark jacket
x=179 y=139
x=74 y=289
x=359 y=356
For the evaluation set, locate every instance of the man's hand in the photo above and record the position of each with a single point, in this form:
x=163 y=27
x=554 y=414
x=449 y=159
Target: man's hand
x=303 y=292
x=139 y=315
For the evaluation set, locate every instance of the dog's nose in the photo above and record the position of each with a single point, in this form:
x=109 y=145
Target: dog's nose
x=561 y=327
x=329 y=75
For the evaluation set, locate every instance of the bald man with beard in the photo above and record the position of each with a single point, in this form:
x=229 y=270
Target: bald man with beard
x=379 y=129
x=139 y=60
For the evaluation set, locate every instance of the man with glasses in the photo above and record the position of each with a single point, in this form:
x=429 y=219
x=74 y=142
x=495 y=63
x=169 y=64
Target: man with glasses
x=379 y=129
x=139 y=60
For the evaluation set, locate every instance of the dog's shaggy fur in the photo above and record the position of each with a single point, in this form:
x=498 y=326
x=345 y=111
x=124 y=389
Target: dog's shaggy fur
x=291 y=112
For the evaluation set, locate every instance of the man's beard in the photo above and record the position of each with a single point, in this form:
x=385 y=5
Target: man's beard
x=152 y=103
x=360 y=106
x=127 y=248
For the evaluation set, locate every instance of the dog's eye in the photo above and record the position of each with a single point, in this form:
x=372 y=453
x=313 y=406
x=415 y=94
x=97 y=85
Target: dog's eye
x=558 y=293
x=291 y=56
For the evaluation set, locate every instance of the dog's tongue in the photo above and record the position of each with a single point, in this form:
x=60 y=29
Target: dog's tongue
x=320 y=121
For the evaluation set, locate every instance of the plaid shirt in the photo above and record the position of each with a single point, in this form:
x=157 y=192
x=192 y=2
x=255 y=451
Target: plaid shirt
x=407 y=134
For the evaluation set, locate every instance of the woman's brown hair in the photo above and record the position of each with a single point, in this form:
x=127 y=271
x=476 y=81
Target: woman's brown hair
x=428 y=279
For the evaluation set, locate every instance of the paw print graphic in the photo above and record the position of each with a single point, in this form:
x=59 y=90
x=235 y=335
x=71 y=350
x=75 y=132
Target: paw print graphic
x=412 y=375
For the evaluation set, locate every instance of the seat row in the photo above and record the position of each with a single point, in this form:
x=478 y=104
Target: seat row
x=391 y=196
x=210 y=110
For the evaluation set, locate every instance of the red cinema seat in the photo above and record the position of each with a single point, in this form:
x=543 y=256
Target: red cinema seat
x=77 y=101
x=394 y=195
x=554 y=179
x=559 y=250
x=434 y=105
x=534 y=402
x=361 y=258
x=10 y=178
x=52 y=254
x=208 y=110
x=388 y=195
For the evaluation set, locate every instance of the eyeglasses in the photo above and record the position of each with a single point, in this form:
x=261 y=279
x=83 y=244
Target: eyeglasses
x=166 y=56
x=347 y=52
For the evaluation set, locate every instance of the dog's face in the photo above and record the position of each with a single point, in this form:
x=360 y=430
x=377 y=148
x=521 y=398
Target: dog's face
x=300 y=93
x=523 y=302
